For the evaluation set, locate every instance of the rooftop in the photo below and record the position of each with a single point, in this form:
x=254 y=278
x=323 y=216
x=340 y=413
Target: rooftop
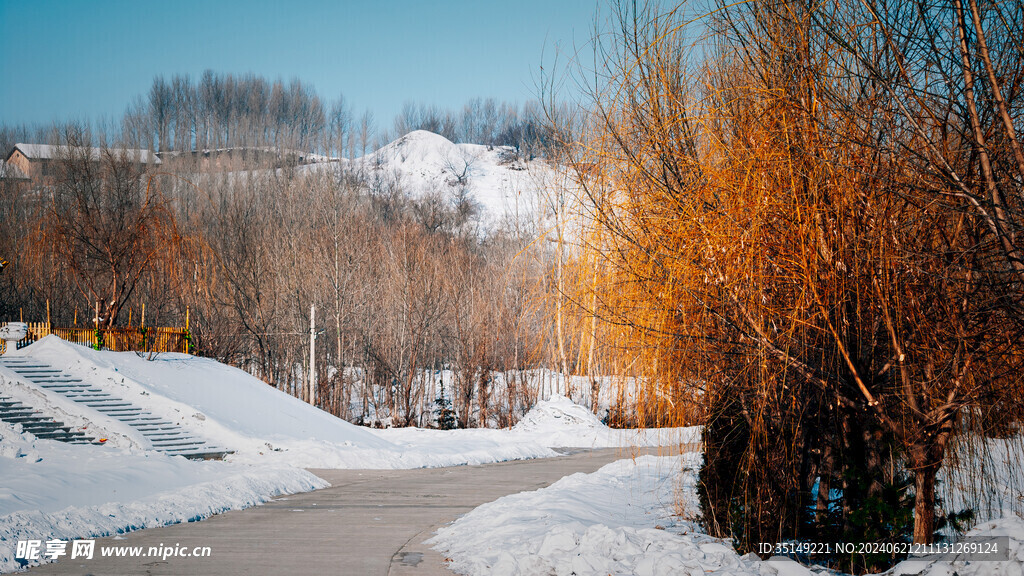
x=49 y=152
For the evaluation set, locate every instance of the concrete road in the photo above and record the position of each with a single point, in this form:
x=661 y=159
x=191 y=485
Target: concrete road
x=368 y=522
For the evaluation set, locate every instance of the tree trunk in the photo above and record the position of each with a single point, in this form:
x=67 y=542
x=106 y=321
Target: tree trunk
x=925 y=468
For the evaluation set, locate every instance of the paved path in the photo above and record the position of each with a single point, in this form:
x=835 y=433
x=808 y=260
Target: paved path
x=368 y=522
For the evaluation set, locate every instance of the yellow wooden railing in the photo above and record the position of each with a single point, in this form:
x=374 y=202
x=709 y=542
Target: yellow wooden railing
x=148 y=339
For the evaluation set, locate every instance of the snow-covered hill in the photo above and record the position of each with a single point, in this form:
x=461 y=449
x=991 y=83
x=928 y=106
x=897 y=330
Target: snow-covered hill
x=497 y=179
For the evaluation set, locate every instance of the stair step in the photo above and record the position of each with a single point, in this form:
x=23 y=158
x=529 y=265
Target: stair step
x=55 y=435
x=22 y=419
x=8 y=416
x=34 y=427
x=184 y=436
x=210 y=454
x=16 y=411
x=92 y=398
x=39 y=427
x=34 y=371
x=182 y=450
x=37 y=422
x=165 y=445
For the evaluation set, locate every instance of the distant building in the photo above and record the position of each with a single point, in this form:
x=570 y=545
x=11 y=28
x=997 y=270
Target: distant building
x=11 y=172
x=38 y=162
x=12 y=178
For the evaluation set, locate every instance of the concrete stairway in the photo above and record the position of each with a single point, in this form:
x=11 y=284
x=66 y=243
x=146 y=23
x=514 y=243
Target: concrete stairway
x=39 y=424
x=164 y=436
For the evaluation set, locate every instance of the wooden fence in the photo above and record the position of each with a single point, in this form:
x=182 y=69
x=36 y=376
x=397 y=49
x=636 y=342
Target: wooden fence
x=149 y=339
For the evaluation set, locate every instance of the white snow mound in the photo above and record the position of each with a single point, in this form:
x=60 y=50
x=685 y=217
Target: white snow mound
x=558 y=413
x=559 y=422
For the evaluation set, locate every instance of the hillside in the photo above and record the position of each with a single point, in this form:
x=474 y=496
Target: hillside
x=498 y=180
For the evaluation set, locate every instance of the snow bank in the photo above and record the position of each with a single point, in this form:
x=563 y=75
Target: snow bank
x=618 y=520
x=637 y=517
x=56 y=490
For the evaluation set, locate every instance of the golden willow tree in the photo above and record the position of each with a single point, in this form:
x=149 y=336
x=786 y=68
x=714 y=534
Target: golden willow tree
x=805 y=219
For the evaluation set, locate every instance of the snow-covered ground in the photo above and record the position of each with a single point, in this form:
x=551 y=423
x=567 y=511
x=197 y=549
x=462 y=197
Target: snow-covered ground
x=50 y=489
x=631 y=517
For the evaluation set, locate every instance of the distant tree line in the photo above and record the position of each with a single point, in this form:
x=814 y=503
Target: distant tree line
x=220 y=110
x=482 y=121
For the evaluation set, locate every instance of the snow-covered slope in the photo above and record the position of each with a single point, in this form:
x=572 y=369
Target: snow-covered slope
x=213 y=400
x=262 y=425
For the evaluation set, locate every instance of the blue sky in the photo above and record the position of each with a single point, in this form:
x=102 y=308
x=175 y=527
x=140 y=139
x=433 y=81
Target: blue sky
x=85 y=60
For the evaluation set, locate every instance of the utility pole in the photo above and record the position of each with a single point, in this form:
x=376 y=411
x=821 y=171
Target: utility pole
x=312 y=354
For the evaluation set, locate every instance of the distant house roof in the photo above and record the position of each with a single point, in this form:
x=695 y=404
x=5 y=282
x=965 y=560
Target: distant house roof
x=11 y=172
x=49 y=152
